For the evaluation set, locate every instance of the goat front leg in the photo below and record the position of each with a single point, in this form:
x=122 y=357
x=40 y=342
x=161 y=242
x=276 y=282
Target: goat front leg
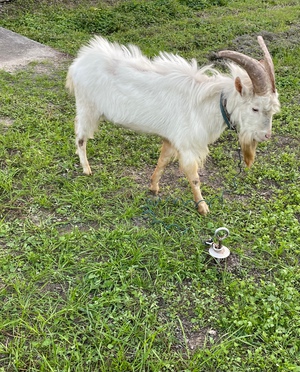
x=167 y=153
x=191 y=171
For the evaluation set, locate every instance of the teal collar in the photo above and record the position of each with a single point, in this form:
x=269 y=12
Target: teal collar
x=225 y=113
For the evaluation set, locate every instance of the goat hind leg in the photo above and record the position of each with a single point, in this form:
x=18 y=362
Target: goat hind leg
x=81 y=152
x=81 y=142
x=167 y=153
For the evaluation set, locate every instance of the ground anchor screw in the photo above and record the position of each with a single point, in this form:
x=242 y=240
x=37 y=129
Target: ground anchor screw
x=218 y=250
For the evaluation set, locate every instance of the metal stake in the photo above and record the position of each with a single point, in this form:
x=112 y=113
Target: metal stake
x=218 y=250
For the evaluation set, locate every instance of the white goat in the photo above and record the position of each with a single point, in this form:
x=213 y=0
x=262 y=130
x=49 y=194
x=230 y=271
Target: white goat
x=170 y=97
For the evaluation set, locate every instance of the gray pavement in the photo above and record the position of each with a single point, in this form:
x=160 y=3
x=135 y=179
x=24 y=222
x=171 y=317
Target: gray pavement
x=17 y=51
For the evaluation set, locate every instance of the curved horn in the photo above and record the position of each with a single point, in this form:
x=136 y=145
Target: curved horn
x=268 y=62
x=259 y=73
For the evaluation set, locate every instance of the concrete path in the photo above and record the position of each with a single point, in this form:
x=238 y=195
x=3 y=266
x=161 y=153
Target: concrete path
x=17 y=51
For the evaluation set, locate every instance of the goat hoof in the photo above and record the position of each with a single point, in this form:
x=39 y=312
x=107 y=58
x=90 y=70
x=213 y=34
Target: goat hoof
x=87 y=171
x=203 y=208
x=153 y=190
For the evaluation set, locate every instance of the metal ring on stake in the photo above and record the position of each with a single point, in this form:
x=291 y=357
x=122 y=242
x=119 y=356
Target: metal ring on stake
x=219 y=236
x=219 y=250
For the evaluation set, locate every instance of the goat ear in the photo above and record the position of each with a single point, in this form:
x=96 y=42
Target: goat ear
x=238 y=85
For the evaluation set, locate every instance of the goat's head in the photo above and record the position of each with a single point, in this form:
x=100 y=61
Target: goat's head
x=255 y=99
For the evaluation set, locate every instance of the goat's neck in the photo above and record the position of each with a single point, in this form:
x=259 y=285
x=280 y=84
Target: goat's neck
x=217 y=122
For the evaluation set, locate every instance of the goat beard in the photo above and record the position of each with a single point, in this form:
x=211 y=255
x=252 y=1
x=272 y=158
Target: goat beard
x=249 y=150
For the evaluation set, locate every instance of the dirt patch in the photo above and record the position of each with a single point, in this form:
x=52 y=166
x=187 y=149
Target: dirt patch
x=43 y=217
x=247 y=44
x=194 y=339
x=5 y=123
x=287 y=142
x=232 y=264
x=202 y=338
x=171 y=177
x=57 y=290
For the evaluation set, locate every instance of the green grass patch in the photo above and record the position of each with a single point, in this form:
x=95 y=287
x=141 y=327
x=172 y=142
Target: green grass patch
x=95 y=273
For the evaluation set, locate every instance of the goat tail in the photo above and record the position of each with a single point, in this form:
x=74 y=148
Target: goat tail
x=69 y=82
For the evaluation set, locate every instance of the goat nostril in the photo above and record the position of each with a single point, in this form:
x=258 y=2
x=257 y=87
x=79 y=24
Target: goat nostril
x=268 y=135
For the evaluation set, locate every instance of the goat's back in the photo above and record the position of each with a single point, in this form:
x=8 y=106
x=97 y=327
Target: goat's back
x=166 y=96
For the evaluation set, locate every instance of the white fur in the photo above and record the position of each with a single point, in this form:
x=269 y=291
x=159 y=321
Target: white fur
x=167 y=96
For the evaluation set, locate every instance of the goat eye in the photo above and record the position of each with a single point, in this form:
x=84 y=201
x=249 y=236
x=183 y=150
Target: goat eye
x=255 y=109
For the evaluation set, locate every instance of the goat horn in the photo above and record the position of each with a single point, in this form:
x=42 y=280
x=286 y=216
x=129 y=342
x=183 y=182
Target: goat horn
x=268 y=62
x=259 y=73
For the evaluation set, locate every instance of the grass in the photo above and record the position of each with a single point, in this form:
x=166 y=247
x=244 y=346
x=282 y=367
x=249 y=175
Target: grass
x=95 y=275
